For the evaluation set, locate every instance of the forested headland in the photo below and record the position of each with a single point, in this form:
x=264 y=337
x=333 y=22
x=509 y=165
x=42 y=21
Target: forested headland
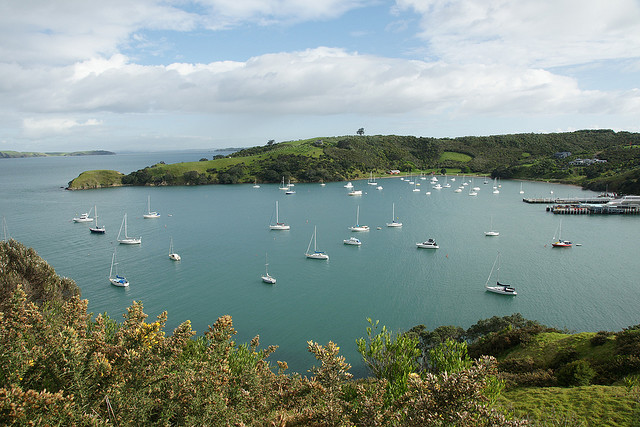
x=612 y=160
x=60 y=365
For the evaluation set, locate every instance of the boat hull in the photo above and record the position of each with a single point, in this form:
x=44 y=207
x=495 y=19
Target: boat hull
x=268 y=279
x=317 y=255
x=502 y=290
x=174 y=257
x=97 y=230
x=394 y=224
x=119 y=281
x=352 y=241
x=151 y=215
x=130 y=241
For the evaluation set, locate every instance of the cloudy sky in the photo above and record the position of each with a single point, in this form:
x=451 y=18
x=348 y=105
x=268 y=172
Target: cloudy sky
x=172 y=74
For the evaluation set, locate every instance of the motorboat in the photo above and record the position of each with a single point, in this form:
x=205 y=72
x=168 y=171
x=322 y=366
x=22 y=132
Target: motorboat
x=428 y=244
x=352 y=241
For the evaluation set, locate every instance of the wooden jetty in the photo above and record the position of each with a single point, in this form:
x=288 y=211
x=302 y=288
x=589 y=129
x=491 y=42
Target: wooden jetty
x=569 y=201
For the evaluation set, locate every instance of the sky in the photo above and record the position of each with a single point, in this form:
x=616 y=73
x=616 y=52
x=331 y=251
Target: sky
x=148 y=75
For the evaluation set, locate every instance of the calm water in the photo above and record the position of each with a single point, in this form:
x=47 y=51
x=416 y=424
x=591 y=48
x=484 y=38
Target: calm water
x=222 y=234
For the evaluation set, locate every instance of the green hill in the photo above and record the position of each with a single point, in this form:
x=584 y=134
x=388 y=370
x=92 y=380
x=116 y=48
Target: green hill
x=521 y=156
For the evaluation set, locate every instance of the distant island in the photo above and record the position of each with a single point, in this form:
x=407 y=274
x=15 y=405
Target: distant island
x=19 y=154
x=599 y=159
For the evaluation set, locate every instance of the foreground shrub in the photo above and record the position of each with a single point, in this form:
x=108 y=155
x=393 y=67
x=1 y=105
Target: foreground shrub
x=576 y=373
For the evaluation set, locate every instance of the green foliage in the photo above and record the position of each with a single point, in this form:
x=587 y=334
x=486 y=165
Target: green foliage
x=576 y=373
x=389 y=357
x=449 y=356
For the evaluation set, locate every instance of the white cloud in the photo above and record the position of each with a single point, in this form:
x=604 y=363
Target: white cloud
x=34 y=128
x=322 y=81
x=542 y=33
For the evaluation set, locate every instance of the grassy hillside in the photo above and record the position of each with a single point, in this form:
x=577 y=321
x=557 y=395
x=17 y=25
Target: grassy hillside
x=96 y=179
x=523 y=156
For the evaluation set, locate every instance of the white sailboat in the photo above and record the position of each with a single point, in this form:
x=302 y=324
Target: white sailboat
x=255 y=184
x=316 y=254
x=126 y=240
x=172 y=255
x=348 y=185
x=150 y=214
x=372 y=180
x=116 y=280
x=267 y=278
x=499 y=288
x=279 y=225
x=97 y=229
x=283 y=186
x=521 y=190
x=473 y=191
x=393 y=222
x=491 y=231
x=85 y=217
x=355 y=193
x=359 y=227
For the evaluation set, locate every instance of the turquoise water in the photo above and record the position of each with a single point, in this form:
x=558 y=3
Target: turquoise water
x=222 y=235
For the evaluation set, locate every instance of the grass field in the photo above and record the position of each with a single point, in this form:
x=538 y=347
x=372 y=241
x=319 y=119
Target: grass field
x=593 y=405
x=456 y=157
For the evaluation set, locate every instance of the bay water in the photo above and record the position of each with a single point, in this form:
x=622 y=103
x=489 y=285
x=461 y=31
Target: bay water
x=222 y=234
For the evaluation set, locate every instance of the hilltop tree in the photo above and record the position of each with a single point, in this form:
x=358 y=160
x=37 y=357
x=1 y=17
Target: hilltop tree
x=360 y=131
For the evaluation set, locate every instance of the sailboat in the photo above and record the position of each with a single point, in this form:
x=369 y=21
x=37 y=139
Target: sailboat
x=150 y=214
x=495 y=186
x=255 y=184
x=393 y=222
x=499 y=288
x=116 y=280
x=126 y=240
x=267 y=278
x=279 y=225
x=473 y=191
x=521 y=190
x=83 y=217
x=172 y=255
x=491 y=231
x=282 y=186
x=97 y=229
x=316 y=254
x=359 y=227
x=372 y=180
x=560 y=243
x=322 y=184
